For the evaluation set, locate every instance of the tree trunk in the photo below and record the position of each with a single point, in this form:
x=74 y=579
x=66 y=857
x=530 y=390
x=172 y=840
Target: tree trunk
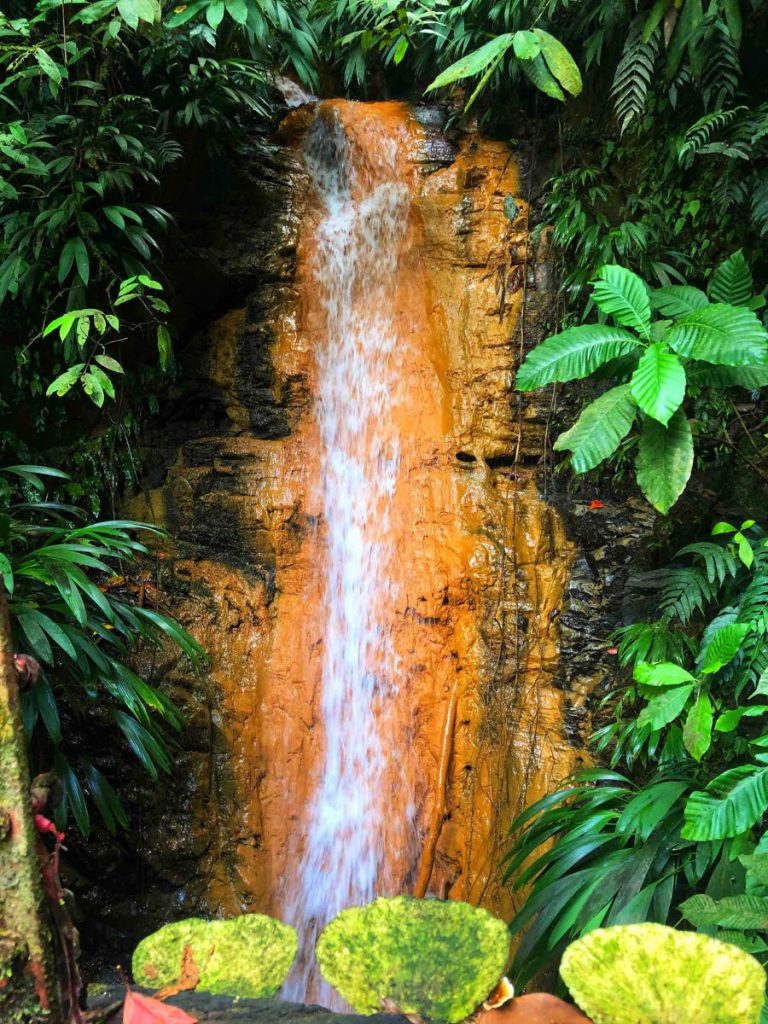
x=28 y=987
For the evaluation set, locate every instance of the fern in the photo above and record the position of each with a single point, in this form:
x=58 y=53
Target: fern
x=721 y=70
x=633 y=77
x=719 y=562
x=701 y=133
x=687 y=591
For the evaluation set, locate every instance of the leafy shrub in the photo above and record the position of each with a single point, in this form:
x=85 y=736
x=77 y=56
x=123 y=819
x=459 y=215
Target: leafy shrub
x=248 y=956
x=654 y=974
x=436 y=959
x=83 y=634
x=687 y=833
x=698 y=340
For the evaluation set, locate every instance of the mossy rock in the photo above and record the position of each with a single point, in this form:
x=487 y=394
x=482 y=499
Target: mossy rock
x=248 y=956
x=436 y=959
x=651 y=974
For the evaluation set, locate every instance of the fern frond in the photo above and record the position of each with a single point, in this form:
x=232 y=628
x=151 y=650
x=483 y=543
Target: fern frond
x=686 y=592
x=719 y=562
x=759 y=204
x=721 y=70
x=701 y=132
x=634 y=75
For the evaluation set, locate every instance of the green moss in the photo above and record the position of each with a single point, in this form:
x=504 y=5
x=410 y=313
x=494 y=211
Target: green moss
x=247 y=956
x=651 y=974
x=439 y=960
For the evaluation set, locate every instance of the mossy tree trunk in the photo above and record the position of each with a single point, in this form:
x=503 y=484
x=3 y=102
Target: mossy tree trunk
x=28 y=987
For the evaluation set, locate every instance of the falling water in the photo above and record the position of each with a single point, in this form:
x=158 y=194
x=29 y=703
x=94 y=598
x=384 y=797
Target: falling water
x=365 y=209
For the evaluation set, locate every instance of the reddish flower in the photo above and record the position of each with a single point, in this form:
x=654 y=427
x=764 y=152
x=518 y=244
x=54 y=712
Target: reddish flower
x=596 y=504
x=613 y=650
x=46 y=827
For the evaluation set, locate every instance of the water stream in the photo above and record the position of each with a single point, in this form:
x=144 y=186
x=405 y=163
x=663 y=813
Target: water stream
x=364 y=211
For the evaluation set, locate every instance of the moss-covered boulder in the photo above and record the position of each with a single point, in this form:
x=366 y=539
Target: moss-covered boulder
x=247 y=956
x=437 y=960
x=651 y=974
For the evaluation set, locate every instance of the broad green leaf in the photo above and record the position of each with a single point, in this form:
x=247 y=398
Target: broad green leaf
x=757 y=866
x=6 y=571
x=600 y=429
x=215 y=13
x=474 y=63
x=73 y=793
x=729 y=720
x=664 y=673
x=730 y=912
x=92 y=387
x=697 y=731
x=109 y=364
x=49 y=66
x=560 y=62
x=623 y=295
x=732 y=281
x=726 y=335
x=678 y=299
x=664 y=460
x=526 y=45
x=573 y=354
x=658 y=383
x=65 y=381
x=729 y=806
x=538 y=72
x=238 y=11
x=134 y=11
x=724 y=646
x=664 y=709
x=750 y=377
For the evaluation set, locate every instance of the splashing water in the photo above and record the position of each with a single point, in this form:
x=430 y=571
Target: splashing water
x=350 y=826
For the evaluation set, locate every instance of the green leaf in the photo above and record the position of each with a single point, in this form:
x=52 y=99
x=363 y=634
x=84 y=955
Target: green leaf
x=730 y=805
x=73 y=792
x=49 y=66
x=6 y=571
x=599 y=430
x=624 y=296
x=729 y=720
x=538 y=72
x=237 y=10
x=133 y=11
x=658 y=383
x=750 y=377
x=727 y=335
x=46 y=705
x=730 y=912
x=65 y=381
x=107 y=801
x=664 y=673
x=109 y=364
x=697 y=731
x=164 y=347
x=665 y=460
x=474 y=63
x=664 y=709
x=215 y=13
x=724 y=646
x=92 y=387
x=560 y=62
x=733 y=19
x=732 y=281
x=573 y=354
x=757 y=866
x=526 y=45
x=678 y=299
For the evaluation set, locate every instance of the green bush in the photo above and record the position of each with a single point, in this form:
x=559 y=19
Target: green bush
x=436 y=959
x=655 y=975
x=248 y=956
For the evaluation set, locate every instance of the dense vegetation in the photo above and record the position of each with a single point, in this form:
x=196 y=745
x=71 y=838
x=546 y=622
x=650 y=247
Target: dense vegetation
x=658 y=207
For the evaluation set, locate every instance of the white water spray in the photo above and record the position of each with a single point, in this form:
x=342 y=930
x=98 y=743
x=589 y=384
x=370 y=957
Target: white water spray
x=348 y=827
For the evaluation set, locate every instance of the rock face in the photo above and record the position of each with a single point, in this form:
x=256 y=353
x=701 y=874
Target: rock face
x=499 y=590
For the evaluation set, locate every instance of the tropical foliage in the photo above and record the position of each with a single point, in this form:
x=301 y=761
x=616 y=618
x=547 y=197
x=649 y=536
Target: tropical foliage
x=674 y=828
x=662 y=346
x=66 y=585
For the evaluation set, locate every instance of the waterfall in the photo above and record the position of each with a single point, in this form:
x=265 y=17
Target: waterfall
x=351 y=823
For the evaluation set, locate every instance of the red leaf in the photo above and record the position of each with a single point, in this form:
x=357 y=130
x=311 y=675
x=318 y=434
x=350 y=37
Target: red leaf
x=596 y=504
x=138 y=1009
